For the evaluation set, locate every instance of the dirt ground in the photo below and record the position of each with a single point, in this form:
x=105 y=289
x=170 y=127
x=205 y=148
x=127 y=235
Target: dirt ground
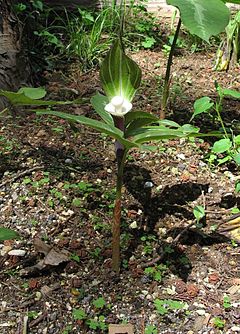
x=57 y=191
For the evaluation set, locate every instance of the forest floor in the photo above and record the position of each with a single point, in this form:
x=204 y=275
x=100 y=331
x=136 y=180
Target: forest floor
x=57 y=191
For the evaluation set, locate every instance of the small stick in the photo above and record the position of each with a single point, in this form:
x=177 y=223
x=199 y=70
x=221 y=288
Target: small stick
x=19 y=175
x=25 y=323
x=38 y=320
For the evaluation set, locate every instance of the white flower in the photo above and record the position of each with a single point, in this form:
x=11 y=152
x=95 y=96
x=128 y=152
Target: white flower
x=118 y=106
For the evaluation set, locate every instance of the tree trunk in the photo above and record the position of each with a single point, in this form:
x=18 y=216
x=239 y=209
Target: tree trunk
x=13 y=68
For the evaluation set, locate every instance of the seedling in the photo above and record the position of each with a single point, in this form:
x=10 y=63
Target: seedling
x=164 y=306
x=218 y=322
x=150 y=329
x=156 y=272
x=79 y=314
x=199 y=214
x=227 y=148
x=99 y=303
x=227 y=303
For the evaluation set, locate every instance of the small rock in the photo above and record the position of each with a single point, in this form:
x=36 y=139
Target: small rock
x=17 y=252
x=181 y=156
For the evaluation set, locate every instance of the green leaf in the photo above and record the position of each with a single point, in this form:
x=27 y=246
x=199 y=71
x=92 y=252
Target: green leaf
x=204 y=18
x=237 y=140
x=147 y=134
x=7 y=234
x=137 y=119
x=199 y=212
x=99 y=101
x=222 y=145
x=99 y=303
x=202 y=105
x=79 y=314
x=236 y=158
x=161 y=132
x=160 y=306
x=97 y=125
x=230 y=92
x=20 y=99
x=33 y=93
x=169 y=123
x=119 y=74
x=148 y=42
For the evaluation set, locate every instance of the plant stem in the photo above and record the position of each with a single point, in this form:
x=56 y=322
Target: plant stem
x=168 y=72
x=121 y=158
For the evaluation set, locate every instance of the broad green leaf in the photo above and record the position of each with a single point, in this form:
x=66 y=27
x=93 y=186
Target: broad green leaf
x=108 y=129
x=169 y=123
x=99 y=101
x=33 y=93
x=237 y=140
x=137 y=119
x=136 y=124
x=199 y=212
x=119 y=74
x=7 y=234
x=236 y=158
x=222 y=145
x=156 y=133
x=133 y=115
x=202 y=105
x=204 y=18
x=230 y=92
x=188 y=128
x=20 y=99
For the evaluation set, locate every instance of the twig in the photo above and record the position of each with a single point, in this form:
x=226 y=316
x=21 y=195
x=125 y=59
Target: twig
x=176 y=239
x=38 y=320
x=19 y=175
x=25 y=323
x=152 y=262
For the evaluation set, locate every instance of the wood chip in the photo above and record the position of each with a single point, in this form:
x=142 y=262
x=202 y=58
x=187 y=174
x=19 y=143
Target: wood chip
x=121 y=329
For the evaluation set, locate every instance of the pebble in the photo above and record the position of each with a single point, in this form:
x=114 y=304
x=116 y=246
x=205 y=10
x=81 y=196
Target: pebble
x=17 y=252
x=235 y=328
x=181 y=156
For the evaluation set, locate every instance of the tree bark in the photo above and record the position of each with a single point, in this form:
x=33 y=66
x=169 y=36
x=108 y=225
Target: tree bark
x=14 y=71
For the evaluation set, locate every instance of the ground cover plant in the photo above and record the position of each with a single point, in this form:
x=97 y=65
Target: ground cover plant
x=179 y=270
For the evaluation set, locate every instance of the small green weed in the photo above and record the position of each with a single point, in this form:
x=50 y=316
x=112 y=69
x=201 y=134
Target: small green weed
x=218 y=323
x=227 y=302
x=156 y=272
x=150 y=329
x=165 y=306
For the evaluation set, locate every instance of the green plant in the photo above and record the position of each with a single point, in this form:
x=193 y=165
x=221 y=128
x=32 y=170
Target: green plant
x=227 y=148
x=227 y=302
x=7 y=234
x=85 y=34
x=196 y=16
x=165 y=306
x=33 y=314
x=218 y=322
x=150 y=329
x=229 y=49
x=148 y=240
x=156 y=272
x=99 y=303
x=120 y=77
x=79 y=314
x=98 y=323
x=199 y=213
